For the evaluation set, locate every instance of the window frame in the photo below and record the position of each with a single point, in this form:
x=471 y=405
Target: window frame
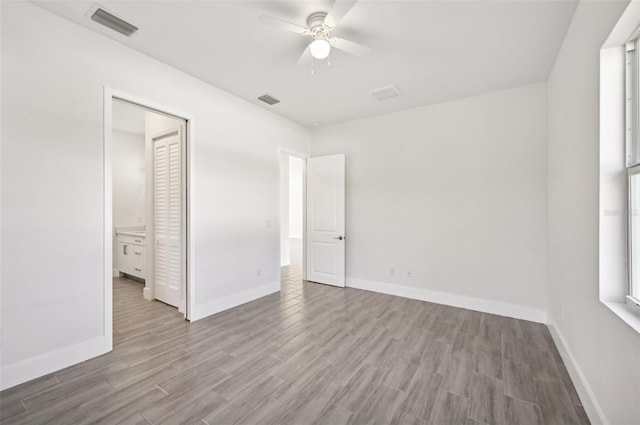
x=632 y=156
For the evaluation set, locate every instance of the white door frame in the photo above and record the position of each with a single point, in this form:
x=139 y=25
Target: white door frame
x=285 y=153
x=109 y=95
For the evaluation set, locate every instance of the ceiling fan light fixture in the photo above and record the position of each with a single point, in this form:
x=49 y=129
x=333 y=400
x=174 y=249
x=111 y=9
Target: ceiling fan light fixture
x=320 y=49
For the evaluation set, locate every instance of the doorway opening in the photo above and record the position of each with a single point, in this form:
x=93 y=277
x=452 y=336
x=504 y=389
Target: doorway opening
x=312 y=217
x=146 y=221
x=292 y=228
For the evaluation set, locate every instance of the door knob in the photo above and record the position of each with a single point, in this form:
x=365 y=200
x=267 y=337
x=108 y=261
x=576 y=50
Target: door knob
x=340 y=238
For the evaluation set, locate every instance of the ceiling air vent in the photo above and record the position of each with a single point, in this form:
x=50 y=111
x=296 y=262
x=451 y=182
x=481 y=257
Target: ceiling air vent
x=109 y=20
x=384 y=93
x=268 y=99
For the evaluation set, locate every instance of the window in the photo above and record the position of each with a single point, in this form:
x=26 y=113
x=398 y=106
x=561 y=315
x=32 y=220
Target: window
x=619 y=154
x=633 y=169
x=634 y=230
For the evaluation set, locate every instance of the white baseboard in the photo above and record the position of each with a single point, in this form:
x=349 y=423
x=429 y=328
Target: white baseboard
x=115 y=272
x=234 y=300
x=26 y=370
x=478 y=304
x=587 y=397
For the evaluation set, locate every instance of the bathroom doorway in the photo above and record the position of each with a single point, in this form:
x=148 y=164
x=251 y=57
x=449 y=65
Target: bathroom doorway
x=146 y=187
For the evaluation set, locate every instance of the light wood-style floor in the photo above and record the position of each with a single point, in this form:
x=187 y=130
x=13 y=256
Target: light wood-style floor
x=311 y=354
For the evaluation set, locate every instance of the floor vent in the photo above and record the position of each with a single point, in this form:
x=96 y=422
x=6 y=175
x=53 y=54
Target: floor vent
x=105 y=18
x=384 y=93
x=268 y=99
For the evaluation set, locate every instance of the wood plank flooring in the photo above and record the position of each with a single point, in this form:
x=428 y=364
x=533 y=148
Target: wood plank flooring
x=311 y=354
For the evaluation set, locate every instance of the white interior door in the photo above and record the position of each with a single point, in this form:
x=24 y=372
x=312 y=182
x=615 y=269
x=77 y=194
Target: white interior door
x=168 y=210
x=326 y=220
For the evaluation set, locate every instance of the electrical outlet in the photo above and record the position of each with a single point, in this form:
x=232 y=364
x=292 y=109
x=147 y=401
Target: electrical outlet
x=392 y=271
x=268 y=224
x=409 y=274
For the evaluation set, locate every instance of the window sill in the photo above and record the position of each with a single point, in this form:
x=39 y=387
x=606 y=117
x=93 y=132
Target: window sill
x=627 y=313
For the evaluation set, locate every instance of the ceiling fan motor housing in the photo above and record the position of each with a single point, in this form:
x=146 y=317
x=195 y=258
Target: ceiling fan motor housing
x=317 y=27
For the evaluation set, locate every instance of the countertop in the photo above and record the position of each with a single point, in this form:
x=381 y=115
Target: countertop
x=136 y=233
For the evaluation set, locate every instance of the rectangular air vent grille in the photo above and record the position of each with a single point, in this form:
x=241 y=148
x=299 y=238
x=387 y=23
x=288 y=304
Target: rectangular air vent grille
x=105 y=18
x=268 y=99
x=385 y=93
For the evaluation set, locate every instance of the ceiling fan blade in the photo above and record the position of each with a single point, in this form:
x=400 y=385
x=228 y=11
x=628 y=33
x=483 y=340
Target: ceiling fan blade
x=283 y=25
x=305 y=59
x=337 y=12
x=350 y=47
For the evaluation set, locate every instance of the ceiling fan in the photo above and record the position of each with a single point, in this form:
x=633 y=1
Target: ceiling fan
x=319 y=28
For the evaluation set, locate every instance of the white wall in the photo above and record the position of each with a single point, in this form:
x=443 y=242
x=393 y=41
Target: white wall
x=128 y=183
x=128 y=179
x=296 y=181
x=53 y=75
x=454 y=194
x=605 y=351
x=128 y=166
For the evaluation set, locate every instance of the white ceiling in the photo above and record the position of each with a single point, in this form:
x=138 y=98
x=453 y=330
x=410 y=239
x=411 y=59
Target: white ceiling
x=433 y=51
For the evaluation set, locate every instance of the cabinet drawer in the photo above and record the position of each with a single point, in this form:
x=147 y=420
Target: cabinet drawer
x=138 y=261
x=134 y=240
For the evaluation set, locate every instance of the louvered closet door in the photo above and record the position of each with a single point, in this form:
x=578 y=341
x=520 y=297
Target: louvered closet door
x=168 y=217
